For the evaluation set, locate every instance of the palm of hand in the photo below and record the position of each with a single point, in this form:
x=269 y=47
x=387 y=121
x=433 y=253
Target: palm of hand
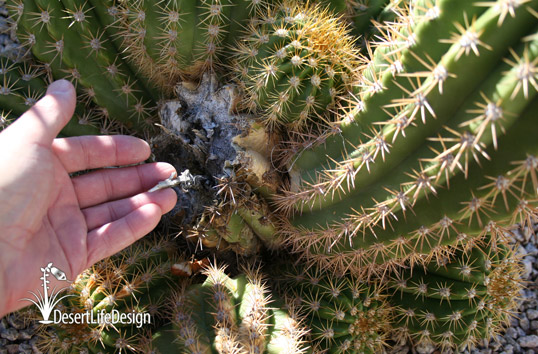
x=47 y=222
x=47 y=216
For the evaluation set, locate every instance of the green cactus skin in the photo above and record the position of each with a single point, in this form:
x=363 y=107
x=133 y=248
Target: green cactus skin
x=361 y=13
x=343 y=314
x=294 y=64
x=124 y=56
x=225 y=315
x=137 y=279
x=174 y=41
x=468 y=299
x=69 y=40
x=445 y=100
x=23 y=84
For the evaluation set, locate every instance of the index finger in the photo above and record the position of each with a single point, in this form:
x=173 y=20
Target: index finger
x=89 y=152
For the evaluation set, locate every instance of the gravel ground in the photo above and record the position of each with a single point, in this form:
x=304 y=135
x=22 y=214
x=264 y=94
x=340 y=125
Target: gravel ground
x=16 y=336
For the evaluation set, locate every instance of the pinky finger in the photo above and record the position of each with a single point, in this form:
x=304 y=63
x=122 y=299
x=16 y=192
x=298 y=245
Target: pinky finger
x=111 y=238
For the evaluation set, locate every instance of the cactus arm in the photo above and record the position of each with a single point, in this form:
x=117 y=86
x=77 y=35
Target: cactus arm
x=436 y=315
x=498 y=88
x=383 y=244
x=462 y=67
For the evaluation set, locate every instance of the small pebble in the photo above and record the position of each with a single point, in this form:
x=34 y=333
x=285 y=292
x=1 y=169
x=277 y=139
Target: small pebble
x=511 y=333
x=532 y=314
x=528 y=268
x=15 y=322
x=10 y=334
x=13 y=348
x=524 y=324
x=520 y=332
x=509 y=349
x=529 y=341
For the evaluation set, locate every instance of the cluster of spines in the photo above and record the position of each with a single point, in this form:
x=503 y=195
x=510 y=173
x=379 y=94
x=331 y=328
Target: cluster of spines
x=126 y=56
x=456 y=305
x=343 y=313
x=230 y=315
x=406 y=84
x=294 y=64
x=73 y=41
x=136 y=280
x=22 y=85
x=173 y=41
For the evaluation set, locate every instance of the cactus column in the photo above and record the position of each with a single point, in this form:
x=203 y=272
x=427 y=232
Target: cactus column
x=445 y=99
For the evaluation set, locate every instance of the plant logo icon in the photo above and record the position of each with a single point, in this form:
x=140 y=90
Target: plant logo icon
x=46 y=301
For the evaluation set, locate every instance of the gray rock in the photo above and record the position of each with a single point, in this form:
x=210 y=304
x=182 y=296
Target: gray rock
x=13 y=348
x=524 y=324
x=511 y=333
x=514 y=344
x=25 y=348
x=15 y=321
x=531 y=248
x=509 y=349
x=520 y=332
x=11 y=334
x=532 y=314
x=528 y=268
x=529 y=341
x=534 y=325
x=25 y=335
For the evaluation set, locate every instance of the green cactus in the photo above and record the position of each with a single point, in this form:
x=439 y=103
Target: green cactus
x=445 y=99
x=361 y=14
x=23 y=84
x=409 y=159
x=225 y=315
x=342 y=313
x=163 y=42
x=455 y=306
x=136 y=281
x=295 y=65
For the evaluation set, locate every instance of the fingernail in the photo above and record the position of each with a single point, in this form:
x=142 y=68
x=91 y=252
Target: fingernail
x=60 y=86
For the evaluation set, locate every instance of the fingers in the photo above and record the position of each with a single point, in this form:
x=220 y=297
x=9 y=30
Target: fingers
x=88 y=152
x=109 y=212
x=107 y=185
x=49 y=115
x=115 y=236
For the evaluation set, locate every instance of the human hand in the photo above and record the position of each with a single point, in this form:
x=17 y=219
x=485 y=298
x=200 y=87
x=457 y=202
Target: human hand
x=46 y=216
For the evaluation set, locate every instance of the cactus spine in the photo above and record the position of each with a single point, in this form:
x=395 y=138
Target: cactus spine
x=294 y=65
x=342 y=313
x=468 y=299
x=225 y=315
x=136 y=281
x=401 y=181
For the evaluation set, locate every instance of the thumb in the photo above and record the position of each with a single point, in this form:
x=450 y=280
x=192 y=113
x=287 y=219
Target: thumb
x=43 y=122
